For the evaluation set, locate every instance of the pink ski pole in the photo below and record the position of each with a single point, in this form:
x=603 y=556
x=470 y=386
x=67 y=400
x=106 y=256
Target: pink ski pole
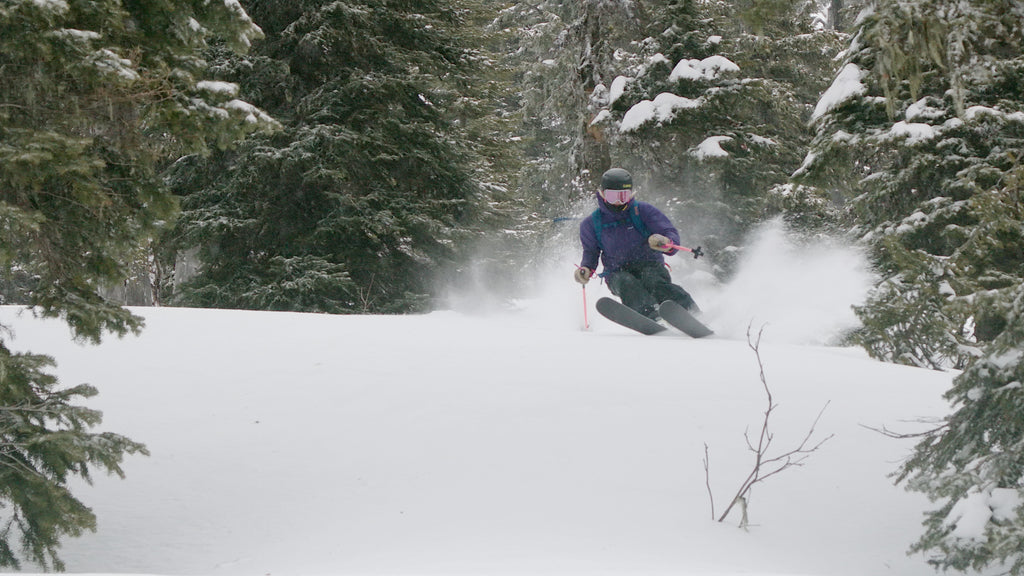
x=586 y=322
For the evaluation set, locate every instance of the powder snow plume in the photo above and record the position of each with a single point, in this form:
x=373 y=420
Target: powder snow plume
x=801 y=292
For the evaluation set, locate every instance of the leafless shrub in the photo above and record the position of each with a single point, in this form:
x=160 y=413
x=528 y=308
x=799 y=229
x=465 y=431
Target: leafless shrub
x=765 y=464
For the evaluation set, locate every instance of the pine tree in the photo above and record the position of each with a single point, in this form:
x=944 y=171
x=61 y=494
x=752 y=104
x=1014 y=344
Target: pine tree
x=565 y=52
x=712 y=115
x=973 y=463
x=96 y=95
x=840 y=15
x=922 y=133
x=44 y=441
x=920 y=137
x=376 y=179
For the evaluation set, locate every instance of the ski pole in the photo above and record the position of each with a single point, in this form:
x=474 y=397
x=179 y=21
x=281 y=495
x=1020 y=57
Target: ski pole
x=697 y=252
x=586 y=322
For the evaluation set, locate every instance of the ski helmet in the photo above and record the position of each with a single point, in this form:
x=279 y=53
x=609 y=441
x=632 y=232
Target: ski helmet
x=616 y=179
x=616 y=188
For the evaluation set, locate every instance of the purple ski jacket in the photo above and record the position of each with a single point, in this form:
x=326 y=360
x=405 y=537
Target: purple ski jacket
x=621 y=242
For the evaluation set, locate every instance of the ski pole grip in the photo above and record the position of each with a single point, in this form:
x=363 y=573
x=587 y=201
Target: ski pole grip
x=697 y=252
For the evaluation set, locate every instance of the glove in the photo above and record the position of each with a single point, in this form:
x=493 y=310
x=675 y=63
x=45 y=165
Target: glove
x=659 y=243
x=583 y=274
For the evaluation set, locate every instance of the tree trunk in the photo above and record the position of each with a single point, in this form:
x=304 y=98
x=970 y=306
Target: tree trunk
x=835 y=17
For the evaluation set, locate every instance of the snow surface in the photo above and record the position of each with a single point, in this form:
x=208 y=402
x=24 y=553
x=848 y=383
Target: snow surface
x=56 y=6
x=108 y=61
x=229 y=89
x=618 y=88
x=711 y=147
x=707 y=69
x=914 y=132
x=505 y=443
x=601 y=117
x=660 y=110
x=846 y=85
x=971 y=515
x=974 y=112
x=920 y=110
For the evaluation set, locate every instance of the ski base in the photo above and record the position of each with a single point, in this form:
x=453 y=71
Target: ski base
x=624 y=315
x=674 y=314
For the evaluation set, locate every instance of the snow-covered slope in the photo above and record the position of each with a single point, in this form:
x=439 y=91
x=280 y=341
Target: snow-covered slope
x=303 y=444
x=509 y=443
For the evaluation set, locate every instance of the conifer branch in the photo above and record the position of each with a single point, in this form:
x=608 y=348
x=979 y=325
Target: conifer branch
x=885 y=431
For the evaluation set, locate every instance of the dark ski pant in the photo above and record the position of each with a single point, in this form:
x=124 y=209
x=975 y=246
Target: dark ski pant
x=644 y=285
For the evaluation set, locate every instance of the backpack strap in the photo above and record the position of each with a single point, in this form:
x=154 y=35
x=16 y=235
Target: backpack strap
x=598 y=225
x=638 y=223
x=634 y=217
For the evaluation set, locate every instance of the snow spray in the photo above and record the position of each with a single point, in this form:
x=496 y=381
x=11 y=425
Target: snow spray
x=801 y=292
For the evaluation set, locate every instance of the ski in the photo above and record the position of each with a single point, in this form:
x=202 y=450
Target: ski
x=624 y=315
x=682 y=320
x=674 y=314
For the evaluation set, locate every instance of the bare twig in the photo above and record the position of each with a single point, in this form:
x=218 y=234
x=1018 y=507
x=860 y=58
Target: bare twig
x=764 y=466
x=707 y=479
x=365 y=295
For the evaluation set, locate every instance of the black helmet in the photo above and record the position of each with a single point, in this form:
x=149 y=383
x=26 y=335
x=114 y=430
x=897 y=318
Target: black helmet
x=616 y=179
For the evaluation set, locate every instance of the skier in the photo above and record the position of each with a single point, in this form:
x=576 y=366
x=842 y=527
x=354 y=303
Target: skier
x=631 y=238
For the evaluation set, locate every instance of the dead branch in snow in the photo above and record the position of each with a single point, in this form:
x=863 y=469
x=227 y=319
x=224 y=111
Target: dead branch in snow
x=765 y=466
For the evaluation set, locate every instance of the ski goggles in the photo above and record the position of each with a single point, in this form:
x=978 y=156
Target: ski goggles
x=617 y=197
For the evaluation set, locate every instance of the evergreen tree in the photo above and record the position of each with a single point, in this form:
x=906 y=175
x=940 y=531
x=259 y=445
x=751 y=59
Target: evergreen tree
x=840 y=15
x=96 y=94
x=44 y=441
x=972 y=464
x=920 y=137
x=566 y=54
x=712 y=115
x=922 y=134
x=378 y=176
x=590 y=69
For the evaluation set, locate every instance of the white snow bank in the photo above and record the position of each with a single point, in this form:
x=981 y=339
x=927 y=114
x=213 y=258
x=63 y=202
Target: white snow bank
x=512 y=445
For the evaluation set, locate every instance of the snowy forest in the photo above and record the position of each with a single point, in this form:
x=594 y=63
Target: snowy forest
x=362 y=156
